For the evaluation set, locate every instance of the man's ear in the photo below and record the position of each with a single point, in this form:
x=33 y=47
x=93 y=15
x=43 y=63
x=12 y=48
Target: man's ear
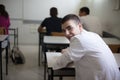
x=80 y=26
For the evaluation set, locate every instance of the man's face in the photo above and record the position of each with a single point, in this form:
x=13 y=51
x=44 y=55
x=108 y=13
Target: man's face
x=82 y=13
x=70 y=28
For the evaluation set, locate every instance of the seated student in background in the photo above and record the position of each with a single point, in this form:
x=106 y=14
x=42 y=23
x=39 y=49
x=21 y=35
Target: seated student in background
x=4 y=18
x=90 y=23
x=93 y=60
x=52 y=24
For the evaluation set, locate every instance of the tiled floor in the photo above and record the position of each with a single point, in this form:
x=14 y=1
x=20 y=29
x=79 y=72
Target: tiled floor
x=30 y=70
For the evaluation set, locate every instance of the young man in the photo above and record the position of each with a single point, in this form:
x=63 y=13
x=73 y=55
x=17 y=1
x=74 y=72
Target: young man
x=52 y=23
x=90 y=23
x=92 y=57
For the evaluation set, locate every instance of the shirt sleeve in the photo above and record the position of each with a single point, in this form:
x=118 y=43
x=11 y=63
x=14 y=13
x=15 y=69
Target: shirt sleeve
x=71 y=54
x=43 y=24
x=76 y=50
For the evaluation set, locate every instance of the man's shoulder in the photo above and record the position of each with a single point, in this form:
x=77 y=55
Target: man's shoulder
x=52 y=18
x=59 y=18
x=47 y=18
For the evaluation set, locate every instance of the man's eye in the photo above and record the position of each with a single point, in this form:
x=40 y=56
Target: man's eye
x=69 y=28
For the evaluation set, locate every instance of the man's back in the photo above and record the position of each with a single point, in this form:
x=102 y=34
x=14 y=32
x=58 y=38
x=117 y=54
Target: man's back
x=91 y=23
x=52 y=24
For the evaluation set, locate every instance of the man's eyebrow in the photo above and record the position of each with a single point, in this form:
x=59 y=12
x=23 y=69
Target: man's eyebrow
x=68 y=26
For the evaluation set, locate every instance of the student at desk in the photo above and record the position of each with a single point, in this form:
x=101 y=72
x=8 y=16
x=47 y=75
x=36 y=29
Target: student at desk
x=52 y=24
x=92 y=57
x=4 y=19
x=89 y=22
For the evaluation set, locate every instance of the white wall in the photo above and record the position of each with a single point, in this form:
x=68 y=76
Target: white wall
x=14 y=7
x=39 y=9
x=27 y=32
x=104 y=9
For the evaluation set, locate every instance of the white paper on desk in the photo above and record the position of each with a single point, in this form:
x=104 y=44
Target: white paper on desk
x=62 y=61
x=52 y=58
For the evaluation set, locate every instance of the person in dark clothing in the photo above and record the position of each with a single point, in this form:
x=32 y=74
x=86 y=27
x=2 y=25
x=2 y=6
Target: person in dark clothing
x=52 y=23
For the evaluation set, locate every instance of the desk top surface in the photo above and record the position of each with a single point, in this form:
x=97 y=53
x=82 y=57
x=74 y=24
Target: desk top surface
x=53 y=56
x=56 y=40
x=111 y=41
x=64 y=40
x=3 y=37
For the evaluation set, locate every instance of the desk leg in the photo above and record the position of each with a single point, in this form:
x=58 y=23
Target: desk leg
x=0 y=63
x=7 y=60
x=40 y=50
x=44 y=71
x=50 y=74
x=60 y=78
x=39 y=56
x=45 y=61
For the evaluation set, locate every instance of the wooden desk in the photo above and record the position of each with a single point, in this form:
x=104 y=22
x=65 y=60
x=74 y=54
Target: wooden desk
x=51 y=59
x=3 y=45
x=64 y=72
x=54 y=41
x=113 y=43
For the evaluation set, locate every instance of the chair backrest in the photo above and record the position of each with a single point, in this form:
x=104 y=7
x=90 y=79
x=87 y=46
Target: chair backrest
x=2 y=31
x=57 y=34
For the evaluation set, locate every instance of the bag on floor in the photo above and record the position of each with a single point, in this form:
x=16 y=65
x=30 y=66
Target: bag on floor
x=17 y=56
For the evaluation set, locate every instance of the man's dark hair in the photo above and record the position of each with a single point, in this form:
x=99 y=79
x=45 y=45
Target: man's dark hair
x=71 y=17
x=53 y=12
x=85 y=9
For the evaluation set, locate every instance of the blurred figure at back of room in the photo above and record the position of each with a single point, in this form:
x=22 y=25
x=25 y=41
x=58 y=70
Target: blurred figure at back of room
x=4 y=18
x=52 y=23
x=90 y=23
